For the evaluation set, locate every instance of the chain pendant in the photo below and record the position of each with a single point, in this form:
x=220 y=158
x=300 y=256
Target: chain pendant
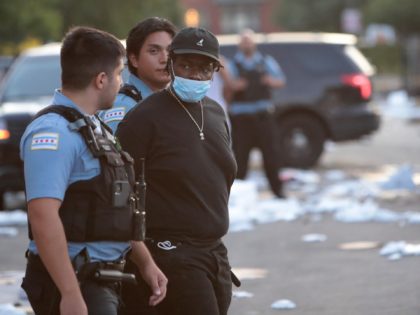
x=202 y=135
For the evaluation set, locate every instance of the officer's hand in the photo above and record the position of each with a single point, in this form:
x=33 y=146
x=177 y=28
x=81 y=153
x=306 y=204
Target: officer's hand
x=240 y=84
x=157 y=282
x=266 y=80
x=73 y=304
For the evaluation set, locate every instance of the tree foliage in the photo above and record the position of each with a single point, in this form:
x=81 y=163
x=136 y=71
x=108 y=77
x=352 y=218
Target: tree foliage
x=403 y=15
x=23 y=20
x=48 y=20
x=325 y=15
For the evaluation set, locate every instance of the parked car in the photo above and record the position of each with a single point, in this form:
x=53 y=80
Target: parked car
x=5 y=62
x=327 y=94
x=27 y=87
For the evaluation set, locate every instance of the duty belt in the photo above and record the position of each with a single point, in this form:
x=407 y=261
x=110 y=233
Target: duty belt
x=101 y=271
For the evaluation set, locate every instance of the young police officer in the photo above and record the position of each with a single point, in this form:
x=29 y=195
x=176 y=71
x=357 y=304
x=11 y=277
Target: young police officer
x=147 y=55
x=78 y=186
x=190 y=168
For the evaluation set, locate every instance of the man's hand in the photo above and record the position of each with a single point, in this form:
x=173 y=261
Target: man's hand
x=271 y=81
x=73 y=304
x=150 y=272
x=156 y=280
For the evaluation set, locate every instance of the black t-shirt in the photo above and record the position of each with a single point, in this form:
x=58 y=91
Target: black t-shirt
x=188 y=179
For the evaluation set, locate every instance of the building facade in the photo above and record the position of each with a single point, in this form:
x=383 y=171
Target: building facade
x=231 y=16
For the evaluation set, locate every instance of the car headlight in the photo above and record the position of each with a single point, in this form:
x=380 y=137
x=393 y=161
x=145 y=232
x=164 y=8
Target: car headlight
x=4 y=132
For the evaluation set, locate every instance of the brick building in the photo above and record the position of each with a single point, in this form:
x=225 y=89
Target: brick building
x=231 y=16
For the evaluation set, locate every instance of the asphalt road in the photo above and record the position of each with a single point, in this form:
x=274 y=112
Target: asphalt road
x=321 y=278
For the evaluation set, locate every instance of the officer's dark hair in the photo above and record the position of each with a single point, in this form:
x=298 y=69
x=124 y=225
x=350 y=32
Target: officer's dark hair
x=139 y=33
x=85 y=53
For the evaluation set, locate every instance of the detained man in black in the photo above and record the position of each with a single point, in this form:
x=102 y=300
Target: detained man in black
x=190 y=167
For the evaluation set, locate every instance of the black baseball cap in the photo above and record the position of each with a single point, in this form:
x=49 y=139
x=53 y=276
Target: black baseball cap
x=195 y=40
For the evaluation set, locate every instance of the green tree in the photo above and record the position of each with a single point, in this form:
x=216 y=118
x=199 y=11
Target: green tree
x=48 y=20
x=117 y=17
x=26 y=19
x=313 y=15
x=403 y=15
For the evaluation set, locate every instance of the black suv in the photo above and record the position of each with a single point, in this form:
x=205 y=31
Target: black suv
x=326 y=95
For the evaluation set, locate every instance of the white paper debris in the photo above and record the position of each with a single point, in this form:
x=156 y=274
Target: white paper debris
x=314 y=237
x=16 y=217
x=283 y=305
x=397 y=249
x=8 y=231
x=242 y=294
x=402 y=178
x=9 y=309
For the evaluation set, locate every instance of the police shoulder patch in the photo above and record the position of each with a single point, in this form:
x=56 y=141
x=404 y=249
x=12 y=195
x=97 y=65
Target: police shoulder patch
x=45 y=141
x=113 y=114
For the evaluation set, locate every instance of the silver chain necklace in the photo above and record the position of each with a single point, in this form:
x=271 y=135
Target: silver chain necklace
x=200 y=129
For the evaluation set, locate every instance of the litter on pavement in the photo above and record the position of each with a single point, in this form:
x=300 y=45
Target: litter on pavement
x=283 y=305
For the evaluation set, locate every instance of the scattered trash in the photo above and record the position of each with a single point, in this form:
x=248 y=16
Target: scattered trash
x=312 y=238
x=8 y=231
x=242 y=294
x=249 y=273
x=402 y=178
x=400 y=105
x=9 y=309
x=397 y=249
x=349 y=200
x=359 y=245
x=283 y=305
x=15 y=217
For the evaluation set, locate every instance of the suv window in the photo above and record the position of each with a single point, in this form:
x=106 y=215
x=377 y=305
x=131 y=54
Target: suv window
x=33 y=77
x=316 y=58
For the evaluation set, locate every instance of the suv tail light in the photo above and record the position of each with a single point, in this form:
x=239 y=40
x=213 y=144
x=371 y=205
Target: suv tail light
x=359 y=81
x=4 y=133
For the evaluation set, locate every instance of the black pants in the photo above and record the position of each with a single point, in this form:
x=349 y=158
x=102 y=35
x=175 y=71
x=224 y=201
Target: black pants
x=100 y=298
x=199 y=282
x=257 y=131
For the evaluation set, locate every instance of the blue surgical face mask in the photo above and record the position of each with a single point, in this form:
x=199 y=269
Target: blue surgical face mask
x=189 y=90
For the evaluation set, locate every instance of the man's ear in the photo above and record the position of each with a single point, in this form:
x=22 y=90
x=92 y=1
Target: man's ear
x=133 y=60
x=100 y=80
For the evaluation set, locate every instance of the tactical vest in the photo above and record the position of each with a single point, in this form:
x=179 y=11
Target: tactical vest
x=131 y=91
x=255 y=90
x=105 y=207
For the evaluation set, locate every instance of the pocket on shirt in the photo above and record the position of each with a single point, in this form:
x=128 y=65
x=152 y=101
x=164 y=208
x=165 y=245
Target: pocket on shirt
x=89 y=165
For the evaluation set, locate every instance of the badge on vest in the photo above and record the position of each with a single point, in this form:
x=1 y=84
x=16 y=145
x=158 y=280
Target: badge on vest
x=113 y=114
x=45 y=141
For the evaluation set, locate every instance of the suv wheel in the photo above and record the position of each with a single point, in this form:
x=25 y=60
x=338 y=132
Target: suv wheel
x=301 y=140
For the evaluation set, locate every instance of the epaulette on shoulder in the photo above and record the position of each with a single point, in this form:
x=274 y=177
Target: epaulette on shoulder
x=131 y=91
x=68 y=113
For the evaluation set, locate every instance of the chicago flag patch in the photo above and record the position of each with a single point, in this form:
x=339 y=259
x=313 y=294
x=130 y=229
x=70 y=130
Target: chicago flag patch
x=113 y=114
x=45 y=141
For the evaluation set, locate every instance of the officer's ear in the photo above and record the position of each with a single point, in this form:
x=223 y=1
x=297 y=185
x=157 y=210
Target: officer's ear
x=100 y=80
x=133 y=60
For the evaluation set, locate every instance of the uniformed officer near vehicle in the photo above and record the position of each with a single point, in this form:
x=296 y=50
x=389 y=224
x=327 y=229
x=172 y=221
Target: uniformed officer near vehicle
x=184 y=137
x=147 y=54
x=251 y=109
x=81 y=192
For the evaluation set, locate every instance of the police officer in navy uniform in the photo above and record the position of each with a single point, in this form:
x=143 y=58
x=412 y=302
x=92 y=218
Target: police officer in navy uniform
x=184 y=137
x=251 y=109
x=147 y=54
x=80 y=190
